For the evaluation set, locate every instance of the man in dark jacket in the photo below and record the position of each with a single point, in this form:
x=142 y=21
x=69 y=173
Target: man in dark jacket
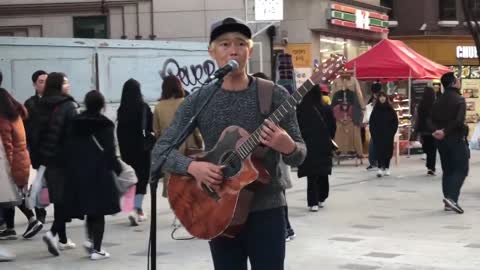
x=38 y=78
x=448 y=119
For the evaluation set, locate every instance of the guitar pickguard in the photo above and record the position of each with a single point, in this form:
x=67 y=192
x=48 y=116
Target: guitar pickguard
x=224 y=150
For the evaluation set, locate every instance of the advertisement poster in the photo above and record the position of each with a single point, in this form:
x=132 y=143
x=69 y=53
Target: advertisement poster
x=301 y=55
x=418 y=87
x=471 y=93
x=301 y=75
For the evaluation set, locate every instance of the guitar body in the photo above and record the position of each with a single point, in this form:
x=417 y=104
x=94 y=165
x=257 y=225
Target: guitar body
x=207 y=215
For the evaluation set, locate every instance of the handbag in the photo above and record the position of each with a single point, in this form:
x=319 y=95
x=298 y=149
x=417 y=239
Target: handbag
x=126 y=179
x=332 y=141
x=37 y=195
x=149 y=138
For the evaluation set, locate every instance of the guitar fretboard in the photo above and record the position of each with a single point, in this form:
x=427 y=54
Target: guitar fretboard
x=287 y=107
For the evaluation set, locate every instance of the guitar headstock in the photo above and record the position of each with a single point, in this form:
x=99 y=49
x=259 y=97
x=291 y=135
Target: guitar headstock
x=328 y=70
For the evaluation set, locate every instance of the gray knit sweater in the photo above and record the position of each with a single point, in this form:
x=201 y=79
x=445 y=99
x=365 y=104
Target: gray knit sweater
x=229 y=108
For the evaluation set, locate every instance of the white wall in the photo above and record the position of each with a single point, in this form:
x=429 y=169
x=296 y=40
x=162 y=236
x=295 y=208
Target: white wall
x=118 y=60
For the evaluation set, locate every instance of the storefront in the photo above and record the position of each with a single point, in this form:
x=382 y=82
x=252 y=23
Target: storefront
x=350 y=31
x=460 y=54
x=347 y=30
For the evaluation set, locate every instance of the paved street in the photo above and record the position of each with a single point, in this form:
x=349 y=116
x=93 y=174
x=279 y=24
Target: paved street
x=394 y=223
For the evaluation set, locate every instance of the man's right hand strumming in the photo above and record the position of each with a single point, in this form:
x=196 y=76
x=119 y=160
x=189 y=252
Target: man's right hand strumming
x=207 y=173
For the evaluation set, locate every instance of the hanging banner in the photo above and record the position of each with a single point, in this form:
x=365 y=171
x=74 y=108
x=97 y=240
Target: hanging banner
x=268 y=10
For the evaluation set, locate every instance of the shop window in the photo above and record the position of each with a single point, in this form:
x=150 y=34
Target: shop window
x=388 y=4
x=447 y=10
x=474 y=6
x=347 y=47
x=331 y=45
x=90 y=27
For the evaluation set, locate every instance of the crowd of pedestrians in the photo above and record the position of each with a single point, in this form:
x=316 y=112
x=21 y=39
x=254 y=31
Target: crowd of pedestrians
x=41 y=135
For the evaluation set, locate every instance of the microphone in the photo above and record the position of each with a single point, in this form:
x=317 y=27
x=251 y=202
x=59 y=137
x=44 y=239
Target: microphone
x=222 y=72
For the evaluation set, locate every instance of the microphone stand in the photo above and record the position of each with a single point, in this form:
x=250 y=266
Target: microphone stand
x=156 y=174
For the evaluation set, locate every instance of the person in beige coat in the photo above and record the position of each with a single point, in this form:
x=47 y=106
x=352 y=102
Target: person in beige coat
x=172 y=96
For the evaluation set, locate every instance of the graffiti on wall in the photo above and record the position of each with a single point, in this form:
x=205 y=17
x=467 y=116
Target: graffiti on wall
x=191 y=76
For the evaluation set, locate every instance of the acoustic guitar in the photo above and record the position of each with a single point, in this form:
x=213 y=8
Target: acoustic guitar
x=207 y=213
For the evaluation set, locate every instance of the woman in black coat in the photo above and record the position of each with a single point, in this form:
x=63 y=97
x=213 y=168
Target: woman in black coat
x=56 y=109
x=91 y=190
x=131 y=141
x=424 y=128
x=383 y=126
x=317 y=124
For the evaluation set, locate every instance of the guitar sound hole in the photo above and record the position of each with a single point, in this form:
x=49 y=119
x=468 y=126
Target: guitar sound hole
x=233 y=166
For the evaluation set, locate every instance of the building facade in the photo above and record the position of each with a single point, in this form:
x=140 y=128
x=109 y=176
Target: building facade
x=343 y=26
x=314 y=25
x=436 y=29
x=116 y=19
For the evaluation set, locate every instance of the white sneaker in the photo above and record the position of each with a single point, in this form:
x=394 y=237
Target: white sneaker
x=313 y=208
x=386 y=172
x=320 y=204
x=68 y=245
x=99 y=255
x=380 y=173
x=142 y=217
x=6 y=256
x=52 y=243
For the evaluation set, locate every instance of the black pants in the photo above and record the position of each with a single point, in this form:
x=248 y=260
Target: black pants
x=59 y=220
x=262 y=241
x=287 y=220
x=95 y=229
x=41 y=214
x=454 y=155
x=9 y=215
x=384 y=163
x=317 y=189
x=430 y=149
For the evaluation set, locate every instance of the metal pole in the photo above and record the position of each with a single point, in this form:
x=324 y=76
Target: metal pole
x=153 y=225
x=409 y=94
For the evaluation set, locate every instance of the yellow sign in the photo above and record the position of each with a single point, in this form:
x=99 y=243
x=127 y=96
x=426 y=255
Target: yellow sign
x=301 y=55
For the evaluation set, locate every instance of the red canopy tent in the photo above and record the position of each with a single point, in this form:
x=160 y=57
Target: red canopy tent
x=393 y=60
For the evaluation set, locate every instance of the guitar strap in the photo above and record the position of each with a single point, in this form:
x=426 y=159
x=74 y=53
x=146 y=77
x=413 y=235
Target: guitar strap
x=265 y=93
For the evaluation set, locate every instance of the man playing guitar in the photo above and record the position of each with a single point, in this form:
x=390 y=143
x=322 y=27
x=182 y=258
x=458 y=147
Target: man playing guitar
x=262 y=238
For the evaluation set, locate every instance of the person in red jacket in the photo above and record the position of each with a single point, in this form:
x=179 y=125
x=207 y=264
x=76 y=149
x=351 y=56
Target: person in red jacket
x=14 y=141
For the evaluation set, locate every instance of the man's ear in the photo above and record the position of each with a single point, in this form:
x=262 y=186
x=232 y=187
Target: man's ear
x=250 y=52
x=211 y=52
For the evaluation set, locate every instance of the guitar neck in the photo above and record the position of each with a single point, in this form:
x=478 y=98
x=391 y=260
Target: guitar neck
x=287 y=107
